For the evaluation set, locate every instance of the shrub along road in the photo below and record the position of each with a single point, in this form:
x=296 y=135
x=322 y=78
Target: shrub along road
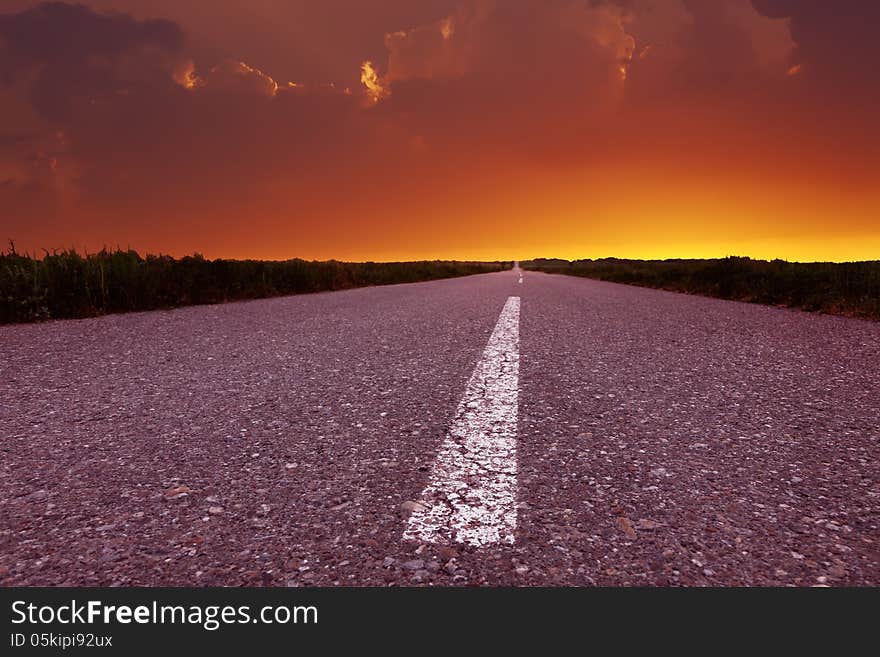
x=660 y=439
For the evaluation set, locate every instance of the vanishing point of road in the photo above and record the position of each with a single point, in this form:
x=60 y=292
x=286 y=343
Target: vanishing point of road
x=484 y=430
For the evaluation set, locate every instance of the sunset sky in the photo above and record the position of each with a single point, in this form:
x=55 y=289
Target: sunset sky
x=468 y=129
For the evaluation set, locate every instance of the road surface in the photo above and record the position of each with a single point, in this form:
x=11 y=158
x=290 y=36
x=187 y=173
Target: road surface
x=474 y=431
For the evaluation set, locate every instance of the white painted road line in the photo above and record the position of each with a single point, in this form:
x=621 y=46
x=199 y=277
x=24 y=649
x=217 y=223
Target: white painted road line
x=471 y=496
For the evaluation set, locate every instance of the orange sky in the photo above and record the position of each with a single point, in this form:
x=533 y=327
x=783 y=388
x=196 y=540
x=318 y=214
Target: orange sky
x=469 y=129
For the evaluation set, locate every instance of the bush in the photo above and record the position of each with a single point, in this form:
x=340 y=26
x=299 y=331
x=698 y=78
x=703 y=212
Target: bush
x=70 y=285
x=849 y=288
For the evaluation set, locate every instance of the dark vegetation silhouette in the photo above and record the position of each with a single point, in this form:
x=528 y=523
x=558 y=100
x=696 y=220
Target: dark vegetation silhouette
x=850 y=288
x=65 y=284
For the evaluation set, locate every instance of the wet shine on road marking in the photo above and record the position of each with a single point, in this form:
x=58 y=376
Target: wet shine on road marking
x=471 y=496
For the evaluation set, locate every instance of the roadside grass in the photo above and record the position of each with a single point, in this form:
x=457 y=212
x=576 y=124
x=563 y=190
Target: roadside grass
x=66 y=284
x=851 y=289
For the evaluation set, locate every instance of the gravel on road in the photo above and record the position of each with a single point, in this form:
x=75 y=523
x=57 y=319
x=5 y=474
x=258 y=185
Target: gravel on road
x=663 y=439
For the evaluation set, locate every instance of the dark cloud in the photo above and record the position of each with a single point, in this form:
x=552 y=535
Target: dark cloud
x=307 y=41
x=837 y=44
x=56 y=31
x=66 y=52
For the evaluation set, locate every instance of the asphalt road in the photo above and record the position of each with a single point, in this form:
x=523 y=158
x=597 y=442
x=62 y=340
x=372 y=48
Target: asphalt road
x=657 y=439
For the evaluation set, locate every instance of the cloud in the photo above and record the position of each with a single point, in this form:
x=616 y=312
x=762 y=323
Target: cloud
x=374 y=87
x=427 y=105
x=58 y=60
x=836 y=42
x=566 y=47
x=505 y=75
x=508 y=38
x=303 y=40
x=92 y=100
x=557 y=80
x=690 y=47
x=441 y=49
x=529 y=78
x=237 y=77
x=68 y=53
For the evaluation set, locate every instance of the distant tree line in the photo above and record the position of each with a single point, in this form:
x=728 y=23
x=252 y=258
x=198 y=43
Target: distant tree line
x=850 y=288
x=69 y=285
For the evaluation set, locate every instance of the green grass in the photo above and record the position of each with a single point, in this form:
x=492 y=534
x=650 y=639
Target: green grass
x=66 y=284
x=851 y=288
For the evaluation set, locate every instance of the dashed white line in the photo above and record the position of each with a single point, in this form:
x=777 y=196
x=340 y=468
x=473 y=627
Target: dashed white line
x=471 y=495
